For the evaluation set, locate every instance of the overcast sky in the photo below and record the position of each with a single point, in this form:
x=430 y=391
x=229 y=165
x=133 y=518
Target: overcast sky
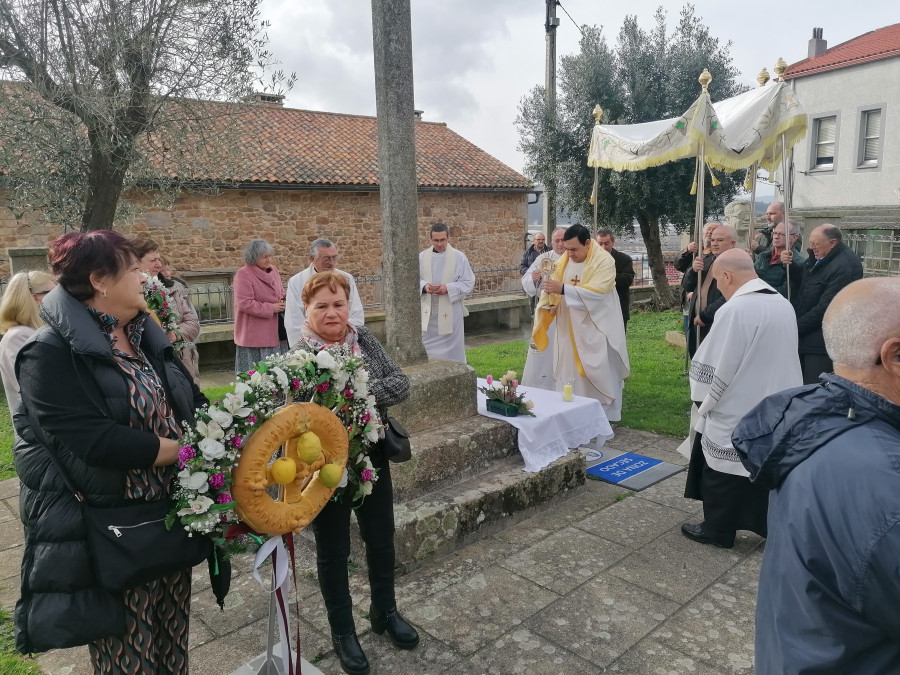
x=474 y=60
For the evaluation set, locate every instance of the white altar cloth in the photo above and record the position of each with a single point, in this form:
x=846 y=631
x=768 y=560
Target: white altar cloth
x=558 y=426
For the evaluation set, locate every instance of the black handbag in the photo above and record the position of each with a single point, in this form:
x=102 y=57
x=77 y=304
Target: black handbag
x=130 y=544
x=395 y=445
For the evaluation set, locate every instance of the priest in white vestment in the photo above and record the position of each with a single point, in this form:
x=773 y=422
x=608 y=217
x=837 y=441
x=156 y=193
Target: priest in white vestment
x=750 y=353
x=590 y=351
x=323 y=255
x=445 y=279
x=538 y=370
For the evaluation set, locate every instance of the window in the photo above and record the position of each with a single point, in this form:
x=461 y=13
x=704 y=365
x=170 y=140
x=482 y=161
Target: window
x=870 y=138
x=824 y=139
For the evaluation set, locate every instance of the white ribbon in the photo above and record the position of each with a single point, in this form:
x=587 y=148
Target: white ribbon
x=281 y=587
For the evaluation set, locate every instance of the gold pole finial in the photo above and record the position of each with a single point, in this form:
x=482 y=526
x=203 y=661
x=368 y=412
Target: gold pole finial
x=780 y=67
x=763 y=77
x=597 y=113
x=704 y=79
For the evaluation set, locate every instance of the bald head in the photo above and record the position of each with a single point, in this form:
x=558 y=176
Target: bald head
x=775 y=213
x=731 y=270
x=558 y=240
x=856 y=326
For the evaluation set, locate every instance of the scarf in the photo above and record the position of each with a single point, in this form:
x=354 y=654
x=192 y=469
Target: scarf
x=317 y=343
x=445 y=309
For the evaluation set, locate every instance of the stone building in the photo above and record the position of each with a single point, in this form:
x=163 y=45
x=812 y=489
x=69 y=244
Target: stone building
x=311 y=174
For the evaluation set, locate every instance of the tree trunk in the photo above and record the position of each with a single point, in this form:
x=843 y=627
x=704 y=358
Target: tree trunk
x=649 y=222
x=106 y=176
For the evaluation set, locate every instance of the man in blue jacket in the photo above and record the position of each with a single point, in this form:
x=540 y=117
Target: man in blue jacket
x=829 y=588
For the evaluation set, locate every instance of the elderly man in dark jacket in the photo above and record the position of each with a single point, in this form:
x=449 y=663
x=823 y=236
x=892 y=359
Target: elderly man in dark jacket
x=538 y=246
x=830 y=267
x=829 y=591
x=624 y=271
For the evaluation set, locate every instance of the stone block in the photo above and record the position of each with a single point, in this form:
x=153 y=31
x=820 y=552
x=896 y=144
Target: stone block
x=675 y=337
x=440 y=392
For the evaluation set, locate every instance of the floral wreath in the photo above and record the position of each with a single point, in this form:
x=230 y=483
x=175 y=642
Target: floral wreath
x=332 y=377
x=158 y=303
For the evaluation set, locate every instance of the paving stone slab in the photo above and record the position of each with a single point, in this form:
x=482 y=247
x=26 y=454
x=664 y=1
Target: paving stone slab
x=650 y=657
x=9 y=487
x=565 y=560
x=716 y=627
x=670 y=492
x=11 y=562
x=522 y=651
x=475 y=612
x=12 y=504
x=11 y=533
x=246 y=602
x=632 y=522
x=9 y=593
x=74 y=661
x=745 y=575
x=6 y=511
x=431 y=657
x=603 y=619
x=676 y=567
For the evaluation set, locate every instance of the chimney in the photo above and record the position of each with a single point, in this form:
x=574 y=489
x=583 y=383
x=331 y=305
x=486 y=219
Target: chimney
x=418 y=114
x=270 y=99
x=817 y=45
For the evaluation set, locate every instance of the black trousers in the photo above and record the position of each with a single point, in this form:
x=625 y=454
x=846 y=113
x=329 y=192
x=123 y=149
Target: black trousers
x=813 y=365
x=332 y=530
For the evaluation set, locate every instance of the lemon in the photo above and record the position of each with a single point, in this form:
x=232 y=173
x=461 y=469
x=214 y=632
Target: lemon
x=284 y=470
x=330 y=475
x=309 y=448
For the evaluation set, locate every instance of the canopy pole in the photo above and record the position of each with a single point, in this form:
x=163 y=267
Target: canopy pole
x=597 y=113
x=701 y=189
x=752 y=232
x=787 y=222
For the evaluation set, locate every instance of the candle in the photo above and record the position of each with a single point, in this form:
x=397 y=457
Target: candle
x=568 y=394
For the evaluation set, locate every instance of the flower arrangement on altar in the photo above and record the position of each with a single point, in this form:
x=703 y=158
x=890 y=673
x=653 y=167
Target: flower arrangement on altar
x=505 y=393
x=158 y=303
x=333 y=378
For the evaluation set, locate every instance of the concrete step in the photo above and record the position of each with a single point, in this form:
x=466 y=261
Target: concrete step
x=452 y=452
x=460 y=513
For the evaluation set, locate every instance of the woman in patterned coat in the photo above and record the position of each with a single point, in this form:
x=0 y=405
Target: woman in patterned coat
x=106 y=391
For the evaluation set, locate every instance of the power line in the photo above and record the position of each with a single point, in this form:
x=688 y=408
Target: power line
x=577 y=25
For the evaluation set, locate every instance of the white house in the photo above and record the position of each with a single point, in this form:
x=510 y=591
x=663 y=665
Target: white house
x=847 y=169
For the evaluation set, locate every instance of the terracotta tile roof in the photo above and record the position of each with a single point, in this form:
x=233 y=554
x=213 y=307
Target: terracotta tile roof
x=287 y=146
x=872 y=46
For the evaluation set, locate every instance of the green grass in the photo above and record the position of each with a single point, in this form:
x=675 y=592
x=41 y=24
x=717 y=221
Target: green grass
x=656 y=395
x=11 y=662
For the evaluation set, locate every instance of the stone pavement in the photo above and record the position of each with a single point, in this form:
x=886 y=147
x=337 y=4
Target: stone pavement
x=602 y=582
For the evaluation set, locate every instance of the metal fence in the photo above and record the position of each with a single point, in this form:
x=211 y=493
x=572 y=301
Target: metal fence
x=879 y=250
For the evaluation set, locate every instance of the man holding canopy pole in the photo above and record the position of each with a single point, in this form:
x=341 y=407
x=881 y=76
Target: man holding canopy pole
x=580 y=298
x=538 y=370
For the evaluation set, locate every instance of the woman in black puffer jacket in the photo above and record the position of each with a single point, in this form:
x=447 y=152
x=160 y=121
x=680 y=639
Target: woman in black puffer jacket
x=103 y=387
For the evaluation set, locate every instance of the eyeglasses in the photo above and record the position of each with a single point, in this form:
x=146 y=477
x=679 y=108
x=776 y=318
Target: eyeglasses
x=329 y=258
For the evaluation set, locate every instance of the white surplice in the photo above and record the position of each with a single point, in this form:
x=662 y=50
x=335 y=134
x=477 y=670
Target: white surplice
x=294 y=314
x=749 y=353
x=538 y=370
x=448 y=342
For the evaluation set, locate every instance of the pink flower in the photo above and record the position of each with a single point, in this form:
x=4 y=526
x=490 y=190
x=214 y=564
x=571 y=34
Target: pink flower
x=366 y=475
x=348 y=392
x=223 y=498
x=366 y=416
x=490 y=379
x=295 y=384
x=217 y=481
x=321 y=388
x=251 y=419
x=186 y=454
x=237 y=441
x=165 y=304
x=250 y=372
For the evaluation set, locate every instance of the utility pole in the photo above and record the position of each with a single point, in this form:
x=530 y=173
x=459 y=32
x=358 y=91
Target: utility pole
x=550 y=101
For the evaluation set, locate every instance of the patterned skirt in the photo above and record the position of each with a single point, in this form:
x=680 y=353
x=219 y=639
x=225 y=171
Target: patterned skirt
x=246 y=358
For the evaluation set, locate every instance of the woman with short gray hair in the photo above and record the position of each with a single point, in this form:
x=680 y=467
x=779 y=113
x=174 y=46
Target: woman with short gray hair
x=258 y=301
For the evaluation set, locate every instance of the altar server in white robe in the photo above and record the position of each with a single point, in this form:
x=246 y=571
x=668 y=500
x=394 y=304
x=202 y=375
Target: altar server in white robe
x=750 y=353
x=590 y=332
x=538 y=370
x=445 y=279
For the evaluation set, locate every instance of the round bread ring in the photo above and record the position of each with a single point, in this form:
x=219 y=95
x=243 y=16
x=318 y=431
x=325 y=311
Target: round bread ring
x=306 y=495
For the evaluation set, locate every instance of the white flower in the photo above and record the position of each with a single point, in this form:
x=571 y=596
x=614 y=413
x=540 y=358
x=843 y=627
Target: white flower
x=257 y=378
x=211 y=449
x=325 y=360
x=345 y=477
x=235 y=403
x=220 y=417
x=340 y=379
x=366 y=487
x=280 y=377
x=240 y=389
x=361 y=376
x=196 y=506
x=361 y=390
x=195 y=481
x=297 y=358
x=368 y=463
x=372 y=435
x=210 y=430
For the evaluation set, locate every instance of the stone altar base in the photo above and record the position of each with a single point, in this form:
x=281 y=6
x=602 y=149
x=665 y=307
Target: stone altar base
x=465 y=480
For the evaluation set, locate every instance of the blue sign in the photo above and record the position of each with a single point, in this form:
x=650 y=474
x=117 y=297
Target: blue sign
x=622 y=467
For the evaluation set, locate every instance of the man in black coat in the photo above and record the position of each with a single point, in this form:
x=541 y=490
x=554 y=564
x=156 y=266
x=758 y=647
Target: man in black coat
x=624 y=271
x=538 y=246
x=829 y=267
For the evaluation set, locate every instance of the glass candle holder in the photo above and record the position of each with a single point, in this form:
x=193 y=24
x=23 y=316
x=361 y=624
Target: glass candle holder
x=568 y=390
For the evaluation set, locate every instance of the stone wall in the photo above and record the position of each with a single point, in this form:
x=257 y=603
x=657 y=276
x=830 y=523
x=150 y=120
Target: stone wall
x=206 y=232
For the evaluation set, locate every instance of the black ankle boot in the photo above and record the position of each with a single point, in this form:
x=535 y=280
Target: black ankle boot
x=353 y=658
x=401 y=633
